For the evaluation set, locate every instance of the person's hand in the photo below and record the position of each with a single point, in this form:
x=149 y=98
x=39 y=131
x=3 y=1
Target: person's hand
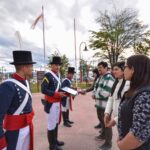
x=62 y=94
x=118 y=143
x=83 y=92
x=106 y=119
x=111 y=123
x=93 y=96
x=67 y=94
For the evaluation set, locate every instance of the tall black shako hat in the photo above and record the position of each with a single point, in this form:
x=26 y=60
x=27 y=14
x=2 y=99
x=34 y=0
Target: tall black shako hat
x=71 y=70
x=22 y=57
x=56 y=60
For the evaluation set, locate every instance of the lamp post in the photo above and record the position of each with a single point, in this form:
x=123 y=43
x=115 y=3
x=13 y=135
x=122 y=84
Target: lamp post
x=85 y=49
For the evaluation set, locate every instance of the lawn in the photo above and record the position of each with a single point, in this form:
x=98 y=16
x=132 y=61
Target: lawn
x=35 y=87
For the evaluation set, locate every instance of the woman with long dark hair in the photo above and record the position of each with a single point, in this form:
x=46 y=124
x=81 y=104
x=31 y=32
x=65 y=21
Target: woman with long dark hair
x=120 y=86
x=134 y=109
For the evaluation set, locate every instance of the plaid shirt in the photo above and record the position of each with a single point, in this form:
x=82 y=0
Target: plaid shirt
x=102 y=88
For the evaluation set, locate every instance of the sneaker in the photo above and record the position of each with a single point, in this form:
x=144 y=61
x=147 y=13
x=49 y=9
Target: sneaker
x=100 y=137
x=98 y=126
x=105 y=146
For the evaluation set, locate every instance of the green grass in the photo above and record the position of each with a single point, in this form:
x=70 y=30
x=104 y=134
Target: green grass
x=36 y=88
x=82 y=85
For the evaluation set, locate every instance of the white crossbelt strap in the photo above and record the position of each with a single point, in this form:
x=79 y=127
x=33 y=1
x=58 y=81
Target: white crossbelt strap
x=21 y=85
x=23 y=104
x=57 y=78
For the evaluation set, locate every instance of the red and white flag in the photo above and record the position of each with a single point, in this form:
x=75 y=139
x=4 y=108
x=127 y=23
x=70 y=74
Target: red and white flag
x=40 y=17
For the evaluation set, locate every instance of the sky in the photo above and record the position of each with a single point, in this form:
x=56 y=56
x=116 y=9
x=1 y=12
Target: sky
x=18 y=16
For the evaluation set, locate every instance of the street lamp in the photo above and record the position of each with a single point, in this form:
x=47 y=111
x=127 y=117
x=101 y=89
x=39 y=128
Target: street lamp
x=85 y=49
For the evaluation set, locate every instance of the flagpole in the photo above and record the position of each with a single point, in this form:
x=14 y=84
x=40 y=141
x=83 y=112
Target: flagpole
x=75 y=50
x=18 y=35
x=43 y=36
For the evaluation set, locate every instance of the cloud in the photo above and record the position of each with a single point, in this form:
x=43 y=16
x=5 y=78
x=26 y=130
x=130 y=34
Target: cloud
x=59 y=15
x=6 y=42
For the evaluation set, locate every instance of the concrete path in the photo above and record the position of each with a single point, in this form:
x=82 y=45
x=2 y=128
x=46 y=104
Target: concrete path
x=80 y=136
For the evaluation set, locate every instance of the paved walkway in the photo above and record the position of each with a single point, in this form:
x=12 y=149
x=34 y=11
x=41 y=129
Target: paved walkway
x=80 y=136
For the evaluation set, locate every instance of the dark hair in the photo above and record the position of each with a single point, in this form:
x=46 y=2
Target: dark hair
x=97 y=73
x=141 y=75
x=104 y=64
x=120 y=65
x=120 y=89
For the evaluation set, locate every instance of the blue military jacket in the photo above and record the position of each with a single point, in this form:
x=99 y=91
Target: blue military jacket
x=11 y=97
x=48 y=87
x=66 y=83
x=49 y=84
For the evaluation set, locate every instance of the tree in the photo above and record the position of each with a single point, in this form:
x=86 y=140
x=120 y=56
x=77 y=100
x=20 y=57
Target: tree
x=118 y=31
x=143 y=47
x=65 y=63
x=85 y=68
x=64 y=66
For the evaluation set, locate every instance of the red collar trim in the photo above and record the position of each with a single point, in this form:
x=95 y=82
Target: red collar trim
x=17 y=77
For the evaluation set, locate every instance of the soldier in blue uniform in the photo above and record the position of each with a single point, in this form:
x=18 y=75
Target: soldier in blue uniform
x=66 y=100
x=51 y=89
x=16 y=111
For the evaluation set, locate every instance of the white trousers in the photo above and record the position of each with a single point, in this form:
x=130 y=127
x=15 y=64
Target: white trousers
x=64 y=109
x=53 y=116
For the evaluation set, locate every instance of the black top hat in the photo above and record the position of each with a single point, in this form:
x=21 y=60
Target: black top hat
x=22 y=57
x=71 y=70
x=56 y=60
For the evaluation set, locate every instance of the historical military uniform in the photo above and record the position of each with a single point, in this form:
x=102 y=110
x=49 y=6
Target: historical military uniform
x=67 y=100
x=16 y=111
x=50 y=88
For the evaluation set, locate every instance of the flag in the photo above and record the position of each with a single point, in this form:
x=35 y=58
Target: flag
x=40 y=17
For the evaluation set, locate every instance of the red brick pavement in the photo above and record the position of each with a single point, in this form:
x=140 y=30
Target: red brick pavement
x=80 y=136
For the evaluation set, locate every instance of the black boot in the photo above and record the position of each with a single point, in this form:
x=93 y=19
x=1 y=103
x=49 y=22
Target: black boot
x=106 y=146
x=59 y=143
x=54 y=147
x=98 y=126
x=101 y=136
x=52 y=140
x=70 y=122
x=66 y=123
